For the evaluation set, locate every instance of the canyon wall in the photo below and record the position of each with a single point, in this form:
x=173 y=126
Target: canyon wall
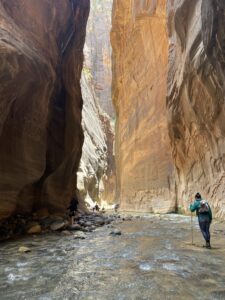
x=196 y=99
x=145 y=180
x=96 y=171
x=96 y=176
x=98 y=52
x=41 y=46
x=168 y=91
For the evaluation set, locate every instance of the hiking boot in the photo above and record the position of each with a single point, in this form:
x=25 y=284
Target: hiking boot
x=208 y=246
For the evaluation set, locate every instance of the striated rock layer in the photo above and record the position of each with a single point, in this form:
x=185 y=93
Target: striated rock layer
x=98 y=52
x=140 y=50
x=97 y=161
x=96 y=176
x=196 y=98
x=41 y=45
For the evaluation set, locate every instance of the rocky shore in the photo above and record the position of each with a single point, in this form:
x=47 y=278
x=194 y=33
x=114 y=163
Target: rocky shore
x=21 y=225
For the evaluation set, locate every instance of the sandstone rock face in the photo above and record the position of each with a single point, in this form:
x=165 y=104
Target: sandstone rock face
x=96 y=176
x=98 y=52
x=93 y=163
x=140 y=50
x=41 y=137
x=196 y=99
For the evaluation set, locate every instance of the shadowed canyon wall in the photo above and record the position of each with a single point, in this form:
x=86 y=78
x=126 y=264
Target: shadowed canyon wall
x=143 y=157
x=196 y=99
x=41 y=46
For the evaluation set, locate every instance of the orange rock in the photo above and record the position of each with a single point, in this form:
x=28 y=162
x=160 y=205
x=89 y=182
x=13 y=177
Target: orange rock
x=196 y=99
x=140 y=58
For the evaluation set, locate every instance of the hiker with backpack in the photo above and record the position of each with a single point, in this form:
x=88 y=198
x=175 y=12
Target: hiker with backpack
x=73 y=208
x=204 y=213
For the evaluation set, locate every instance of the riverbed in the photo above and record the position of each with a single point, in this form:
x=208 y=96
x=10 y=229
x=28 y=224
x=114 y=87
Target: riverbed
x=153 y=258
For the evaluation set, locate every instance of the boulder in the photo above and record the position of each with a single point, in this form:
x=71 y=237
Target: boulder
x=88 y=224
x=66 y=232
x=34 y=229
x=46 y=222
x=80 y=235
x=74 y=227
x=24 y=249
x=116 y=232
x=58 y=225
x=99 y=221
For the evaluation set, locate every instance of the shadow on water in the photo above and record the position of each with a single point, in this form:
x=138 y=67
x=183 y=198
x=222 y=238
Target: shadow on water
x=152 y=259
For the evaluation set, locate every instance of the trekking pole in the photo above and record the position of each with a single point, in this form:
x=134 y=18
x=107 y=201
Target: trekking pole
x=192 y=231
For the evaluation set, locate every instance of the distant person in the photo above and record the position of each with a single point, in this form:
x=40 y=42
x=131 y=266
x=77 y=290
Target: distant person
x=204 y=213
x=116 y=207
x=96 y=207
x=73 y=208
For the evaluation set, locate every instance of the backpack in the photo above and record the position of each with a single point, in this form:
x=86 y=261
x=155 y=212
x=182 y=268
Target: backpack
x=204 y=207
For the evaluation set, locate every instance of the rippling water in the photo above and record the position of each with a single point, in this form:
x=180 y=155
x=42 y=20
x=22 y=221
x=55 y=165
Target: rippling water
x=152 y=259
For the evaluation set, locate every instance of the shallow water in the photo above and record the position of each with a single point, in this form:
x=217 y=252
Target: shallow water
x=152 y=259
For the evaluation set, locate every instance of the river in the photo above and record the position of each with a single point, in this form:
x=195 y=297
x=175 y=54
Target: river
x=152 y=259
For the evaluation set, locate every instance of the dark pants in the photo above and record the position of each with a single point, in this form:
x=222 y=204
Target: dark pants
x=204 y=226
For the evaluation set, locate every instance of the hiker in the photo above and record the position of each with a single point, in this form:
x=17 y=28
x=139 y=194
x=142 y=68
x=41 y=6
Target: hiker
x=73 y=208
x=116 y=207
x=204 y=213
x=95 y=207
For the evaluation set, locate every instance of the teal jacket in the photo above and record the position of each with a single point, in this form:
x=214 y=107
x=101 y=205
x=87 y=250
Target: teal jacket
x=202 y=216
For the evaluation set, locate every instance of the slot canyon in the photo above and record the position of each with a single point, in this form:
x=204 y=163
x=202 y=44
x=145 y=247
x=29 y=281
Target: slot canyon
x=118 y=104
